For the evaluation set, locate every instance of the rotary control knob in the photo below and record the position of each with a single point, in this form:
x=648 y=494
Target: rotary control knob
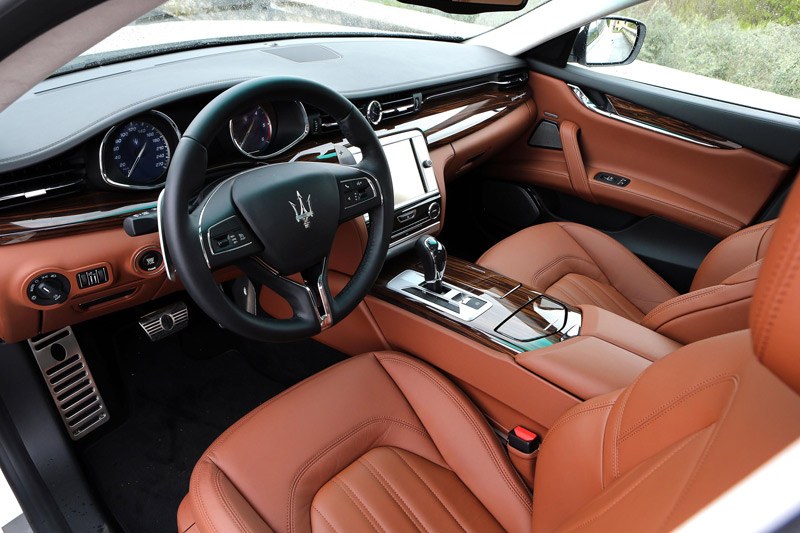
x=48 y=289
x=434 y=210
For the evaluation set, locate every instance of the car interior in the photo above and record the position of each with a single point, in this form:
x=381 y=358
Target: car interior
x=379 y=282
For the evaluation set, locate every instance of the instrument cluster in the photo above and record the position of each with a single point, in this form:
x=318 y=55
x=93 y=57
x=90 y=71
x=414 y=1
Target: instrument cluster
x=136 y=153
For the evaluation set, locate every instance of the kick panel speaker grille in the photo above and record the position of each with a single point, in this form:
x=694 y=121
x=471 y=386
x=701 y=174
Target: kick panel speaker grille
x=70 y=382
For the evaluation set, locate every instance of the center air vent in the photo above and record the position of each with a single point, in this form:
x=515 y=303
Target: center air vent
x=40 y=182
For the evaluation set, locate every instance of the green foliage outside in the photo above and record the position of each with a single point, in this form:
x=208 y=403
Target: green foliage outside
x=747 y=42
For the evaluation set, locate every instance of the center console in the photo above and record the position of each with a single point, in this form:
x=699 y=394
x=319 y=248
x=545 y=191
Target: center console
x=417 y=199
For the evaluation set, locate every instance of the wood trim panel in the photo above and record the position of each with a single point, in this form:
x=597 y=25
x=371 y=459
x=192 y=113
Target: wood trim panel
x=673 y=125
x=491 y=286
x=443 y=120
x=69 y=215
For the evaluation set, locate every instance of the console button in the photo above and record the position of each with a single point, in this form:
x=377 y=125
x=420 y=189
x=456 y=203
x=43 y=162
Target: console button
x=434 y=210
x=90 y=278
x=150 y=261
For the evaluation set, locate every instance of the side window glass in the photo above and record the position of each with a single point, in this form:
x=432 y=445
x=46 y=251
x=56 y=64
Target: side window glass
x=742 y=51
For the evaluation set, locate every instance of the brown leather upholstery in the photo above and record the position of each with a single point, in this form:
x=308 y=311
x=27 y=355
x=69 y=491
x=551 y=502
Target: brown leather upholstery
x=582 y=266
x=383 y=442
x=267 y=471
x=649 y=456
x=390 y=489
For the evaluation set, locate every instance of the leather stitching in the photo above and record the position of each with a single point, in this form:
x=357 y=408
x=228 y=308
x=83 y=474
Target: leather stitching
x=618 y=423
x=787 y=273
x=560 y=259
x=227 y=504
x=641 y=480
x=492 y=453
x=652 y=275
x=677 y=398
x=323 y=517
x=619 y=306
x=632 y=431
x=363 y=425
x=197 y=496
x=708 y=291
x=706 y=451
x=358 y=503
x=387 y=486
x=441 y=502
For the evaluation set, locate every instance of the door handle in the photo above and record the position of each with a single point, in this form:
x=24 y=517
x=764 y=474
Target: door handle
x=578 y=178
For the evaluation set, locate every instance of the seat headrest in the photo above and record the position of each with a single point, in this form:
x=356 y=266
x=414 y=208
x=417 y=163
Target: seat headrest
x=775 y=313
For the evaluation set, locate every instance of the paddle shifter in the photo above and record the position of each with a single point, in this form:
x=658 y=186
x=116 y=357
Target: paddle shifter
x=434 y=260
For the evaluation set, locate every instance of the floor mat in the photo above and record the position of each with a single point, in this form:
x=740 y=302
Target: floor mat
x=174 y=407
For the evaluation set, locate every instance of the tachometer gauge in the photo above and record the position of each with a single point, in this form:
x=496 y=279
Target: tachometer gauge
x=251 y=132
x=140 y=152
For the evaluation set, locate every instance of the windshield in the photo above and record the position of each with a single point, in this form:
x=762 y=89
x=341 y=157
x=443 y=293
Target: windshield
x=184 y=24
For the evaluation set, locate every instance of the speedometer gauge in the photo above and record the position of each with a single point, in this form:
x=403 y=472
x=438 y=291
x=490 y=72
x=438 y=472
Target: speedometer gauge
x=251 y=132
x=135 y=154
x=141 y=153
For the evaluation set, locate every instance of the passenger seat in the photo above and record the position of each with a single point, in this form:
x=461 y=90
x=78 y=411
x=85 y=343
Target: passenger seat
x=582 y=266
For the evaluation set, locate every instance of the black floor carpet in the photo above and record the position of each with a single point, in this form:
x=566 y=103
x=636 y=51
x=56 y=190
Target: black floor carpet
x=179 y=395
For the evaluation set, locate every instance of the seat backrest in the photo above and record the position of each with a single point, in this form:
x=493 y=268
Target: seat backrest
x=691 y=426
x=734 y=254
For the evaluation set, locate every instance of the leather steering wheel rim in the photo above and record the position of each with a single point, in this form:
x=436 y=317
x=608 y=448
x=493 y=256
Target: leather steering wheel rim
x=190 y=256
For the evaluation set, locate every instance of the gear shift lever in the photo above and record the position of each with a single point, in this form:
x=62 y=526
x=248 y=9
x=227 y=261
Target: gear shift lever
x=434 y=261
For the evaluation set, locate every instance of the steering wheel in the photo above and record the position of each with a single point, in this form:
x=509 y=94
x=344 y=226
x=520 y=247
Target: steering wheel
x=276 y=220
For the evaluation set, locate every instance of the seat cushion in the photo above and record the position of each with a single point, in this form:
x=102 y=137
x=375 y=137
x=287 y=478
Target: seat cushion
x=579 y=265
x=264 y=472
x=390 y=489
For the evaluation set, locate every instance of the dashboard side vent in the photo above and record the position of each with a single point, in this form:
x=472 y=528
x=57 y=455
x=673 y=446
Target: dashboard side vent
x=46 y=180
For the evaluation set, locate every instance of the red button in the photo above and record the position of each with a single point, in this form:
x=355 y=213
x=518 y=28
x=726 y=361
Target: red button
x=525 y=434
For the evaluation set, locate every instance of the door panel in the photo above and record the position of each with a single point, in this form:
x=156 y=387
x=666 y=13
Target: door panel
x=708 y=184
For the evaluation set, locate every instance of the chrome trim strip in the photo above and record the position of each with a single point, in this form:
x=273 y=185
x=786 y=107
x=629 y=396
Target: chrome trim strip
x=588 y=104
x=467 y=88
x=306 y=130
x=161 y=240
x=38 y=192
x=512 y=290
x=137 y=187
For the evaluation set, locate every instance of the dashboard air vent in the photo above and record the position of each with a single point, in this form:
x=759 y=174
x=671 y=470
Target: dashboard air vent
x=41 y=182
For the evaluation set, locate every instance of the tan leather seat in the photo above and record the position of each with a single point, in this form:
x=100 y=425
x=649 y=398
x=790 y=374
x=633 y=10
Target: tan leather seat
x=383 y=442
x=582 y=266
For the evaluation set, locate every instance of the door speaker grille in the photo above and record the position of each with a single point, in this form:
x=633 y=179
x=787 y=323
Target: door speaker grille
x=70 y=382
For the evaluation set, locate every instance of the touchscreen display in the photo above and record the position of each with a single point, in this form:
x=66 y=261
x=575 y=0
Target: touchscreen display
x=406 y=177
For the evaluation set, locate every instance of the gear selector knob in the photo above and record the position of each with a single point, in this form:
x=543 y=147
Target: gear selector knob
x=434 y=260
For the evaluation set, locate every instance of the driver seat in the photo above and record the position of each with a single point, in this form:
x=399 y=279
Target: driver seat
x=384 y=442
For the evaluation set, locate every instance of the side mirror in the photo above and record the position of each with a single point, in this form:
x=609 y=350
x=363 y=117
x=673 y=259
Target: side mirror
x=609 y=41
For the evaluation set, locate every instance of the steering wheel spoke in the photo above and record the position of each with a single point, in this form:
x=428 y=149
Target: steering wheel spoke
x=359 y=192
x=310 y=300
x=225 y=237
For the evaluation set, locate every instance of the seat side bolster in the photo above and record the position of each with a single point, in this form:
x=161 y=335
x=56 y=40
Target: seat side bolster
x=707 y=312
x=216 y=496
x=464 y=438
x=734 y=254
x=569 y=470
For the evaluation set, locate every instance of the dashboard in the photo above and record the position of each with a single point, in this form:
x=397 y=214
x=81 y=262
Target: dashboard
x=110 y=134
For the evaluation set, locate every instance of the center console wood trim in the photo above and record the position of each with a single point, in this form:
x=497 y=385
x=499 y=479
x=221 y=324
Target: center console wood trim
x=484 y=283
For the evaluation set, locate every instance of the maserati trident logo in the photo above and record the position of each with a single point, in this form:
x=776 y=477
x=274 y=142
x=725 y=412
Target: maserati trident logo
x=303 y=214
